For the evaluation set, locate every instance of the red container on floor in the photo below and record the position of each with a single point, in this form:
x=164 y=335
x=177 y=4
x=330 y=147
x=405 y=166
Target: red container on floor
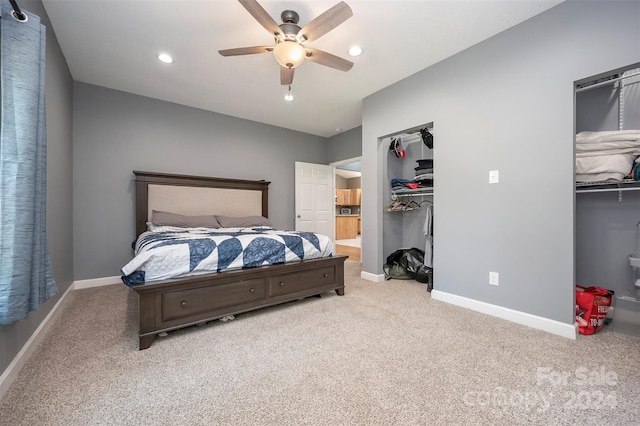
x=592 y=305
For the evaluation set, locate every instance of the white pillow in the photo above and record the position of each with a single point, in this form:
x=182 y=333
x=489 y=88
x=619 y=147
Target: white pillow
x=167 y=228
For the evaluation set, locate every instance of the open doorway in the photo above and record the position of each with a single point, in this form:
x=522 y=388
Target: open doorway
x=348 y=236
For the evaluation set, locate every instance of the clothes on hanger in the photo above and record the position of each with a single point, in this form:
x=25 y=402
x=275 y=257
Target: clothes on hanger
x=427 y=137
x=428 y=232
x=402 y=206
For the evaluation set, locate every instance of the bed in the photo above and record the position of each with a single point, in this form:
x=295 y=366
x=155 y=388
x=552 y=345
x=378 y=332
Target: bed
x=169 y=304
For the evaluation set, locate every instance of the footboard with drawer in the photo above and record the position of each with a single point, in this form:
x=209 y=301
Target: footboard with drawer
x=173 y=304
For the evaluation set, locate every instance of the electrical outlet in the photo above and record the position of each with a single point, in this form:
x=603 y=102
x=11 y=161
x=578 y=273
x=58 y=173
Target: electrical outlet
x=494 y=278
x=494 y=176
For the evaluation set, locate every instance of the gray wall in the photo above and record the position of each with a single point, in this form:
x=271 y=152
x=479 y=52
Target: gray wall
x=632 y=109
x=351 y=183
x=59 y=191
x=505 y=104
x=345 y=145
x=598 y=109
x=116 y=133
x=605 y=237
x=354 y=183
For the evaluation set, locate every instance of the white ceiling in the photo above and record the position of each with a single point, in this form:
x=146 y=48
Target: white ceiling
x=114 y=44
x=347 y=174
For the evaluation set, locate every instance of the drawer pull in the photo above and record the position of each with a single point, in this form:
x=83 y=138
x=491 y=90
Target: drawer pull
x=183 y=303
x=325 y=275
x=281 y=284
x=252 y=290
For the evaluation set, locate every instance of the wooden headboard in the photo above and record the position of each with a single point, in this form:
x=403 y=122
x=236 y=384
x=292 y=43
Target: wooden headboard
x=198 y=195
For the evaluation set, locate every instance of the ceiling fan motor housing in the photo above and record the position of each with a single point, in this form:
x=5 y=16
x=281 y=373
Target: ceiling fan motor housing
x=290 y=17
x=289 y=25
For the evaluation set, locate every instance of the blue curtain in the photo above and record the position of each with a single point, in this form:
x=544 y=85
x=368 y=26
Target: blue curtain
x=26 y=278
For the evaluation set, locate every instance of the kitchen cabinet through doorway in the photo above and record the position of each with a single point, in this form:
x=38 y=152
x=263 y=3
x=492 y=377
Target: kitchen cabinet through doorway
x=348 y=197
x=346 y=227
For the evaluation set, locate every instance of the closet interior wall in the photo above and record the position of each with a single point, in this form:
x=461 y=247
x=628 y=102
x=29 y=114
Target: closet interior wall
x=606 y=227
x=405 y=229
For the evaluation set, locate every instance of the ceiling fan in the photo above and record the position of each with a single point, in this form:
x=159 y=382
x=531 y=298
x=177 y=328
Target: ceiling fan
x=290 y=49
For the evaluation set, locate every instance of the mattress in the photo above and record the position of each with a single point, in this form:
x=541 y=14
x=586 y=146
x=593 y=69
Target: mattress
x=193 y=251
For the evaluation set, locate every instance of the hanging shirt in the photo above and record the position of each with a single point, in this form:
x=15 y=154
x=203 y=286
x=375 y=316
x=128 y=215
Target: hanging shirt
x=428 y=232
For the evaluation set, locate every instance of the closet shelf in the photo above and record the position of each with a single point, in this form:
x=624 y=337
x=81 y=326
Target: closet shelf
x=418 y=192
x=625 y=185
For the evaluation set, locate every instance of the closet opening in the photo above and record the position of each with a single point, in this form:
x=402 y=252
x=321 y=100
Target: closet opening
x=607 y=200
x=408 y=194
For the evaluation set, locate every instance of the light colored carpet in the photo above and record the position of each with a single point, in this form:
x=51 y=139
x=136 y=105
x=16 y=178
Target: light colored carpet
x=385 y=353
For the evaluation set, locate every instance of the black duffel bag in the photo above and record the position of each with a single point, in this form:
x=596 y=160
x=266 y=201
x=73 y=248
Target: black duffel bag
x=408 y=264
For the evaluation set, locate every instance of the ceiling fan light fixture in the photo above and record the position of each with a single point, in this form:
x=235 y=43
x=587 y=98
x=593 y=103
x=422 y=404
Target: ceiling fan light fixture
x=289 y=96
x=289 y=54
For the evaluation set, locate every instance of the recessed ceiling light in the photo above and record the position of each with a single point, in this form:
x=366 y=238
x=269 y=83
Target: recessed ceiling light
x=355 y=51
x=338 y=129
x=164 y=57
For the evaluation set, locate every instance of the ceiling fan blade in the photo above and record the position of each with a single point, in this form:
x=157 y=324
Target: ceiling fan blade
x=261 y=15
x=246 y=50
x=286 y=75
x=325 y=22
x=327 y=59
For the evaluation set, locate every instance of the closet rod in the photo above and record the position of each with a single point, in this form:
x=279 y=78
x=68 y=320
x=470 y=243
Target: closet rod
x=410 y=133
x=579 y=191
x=603 y=83
x=411 y=138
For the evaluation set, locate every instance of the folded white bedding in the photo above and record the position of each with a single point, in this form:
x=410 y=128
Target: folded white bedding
x=607 y=155
x=608 y=136
x=620 y=147
x=600 y=177
x=603 y=167
x=621 y=163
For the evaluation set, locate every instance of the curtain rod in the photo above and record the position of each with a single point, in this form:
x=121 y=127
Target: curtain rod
x=17 y=13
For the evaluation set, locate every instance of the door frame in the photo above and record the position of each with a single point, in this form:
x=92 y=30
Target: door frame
x=335 y=164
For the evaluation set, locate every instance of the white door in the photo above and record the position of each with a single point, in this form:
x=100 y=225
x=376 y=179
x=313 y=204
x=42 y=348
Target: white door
x=315 y=198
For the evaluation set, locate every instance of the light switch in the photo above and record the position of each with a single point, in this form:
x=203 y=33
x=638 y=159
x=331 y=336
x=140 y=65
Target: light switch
x=494 y=176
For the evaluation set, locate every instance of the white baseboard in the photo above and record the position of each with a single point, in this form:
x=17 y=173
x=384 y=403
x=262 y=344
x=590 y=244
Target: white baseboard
x=21 y=358
x=96 y=282
x=376 y=278
x=541 y=323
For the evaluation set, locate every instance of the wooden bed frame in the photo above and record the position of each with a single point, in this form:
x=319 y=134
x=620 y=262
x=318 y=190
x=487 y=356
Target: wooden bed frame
x=176 y=303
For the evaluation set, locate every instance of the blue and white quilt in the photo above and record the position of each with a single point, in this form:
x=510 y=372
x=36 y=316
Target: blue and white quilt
x=193 y=251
